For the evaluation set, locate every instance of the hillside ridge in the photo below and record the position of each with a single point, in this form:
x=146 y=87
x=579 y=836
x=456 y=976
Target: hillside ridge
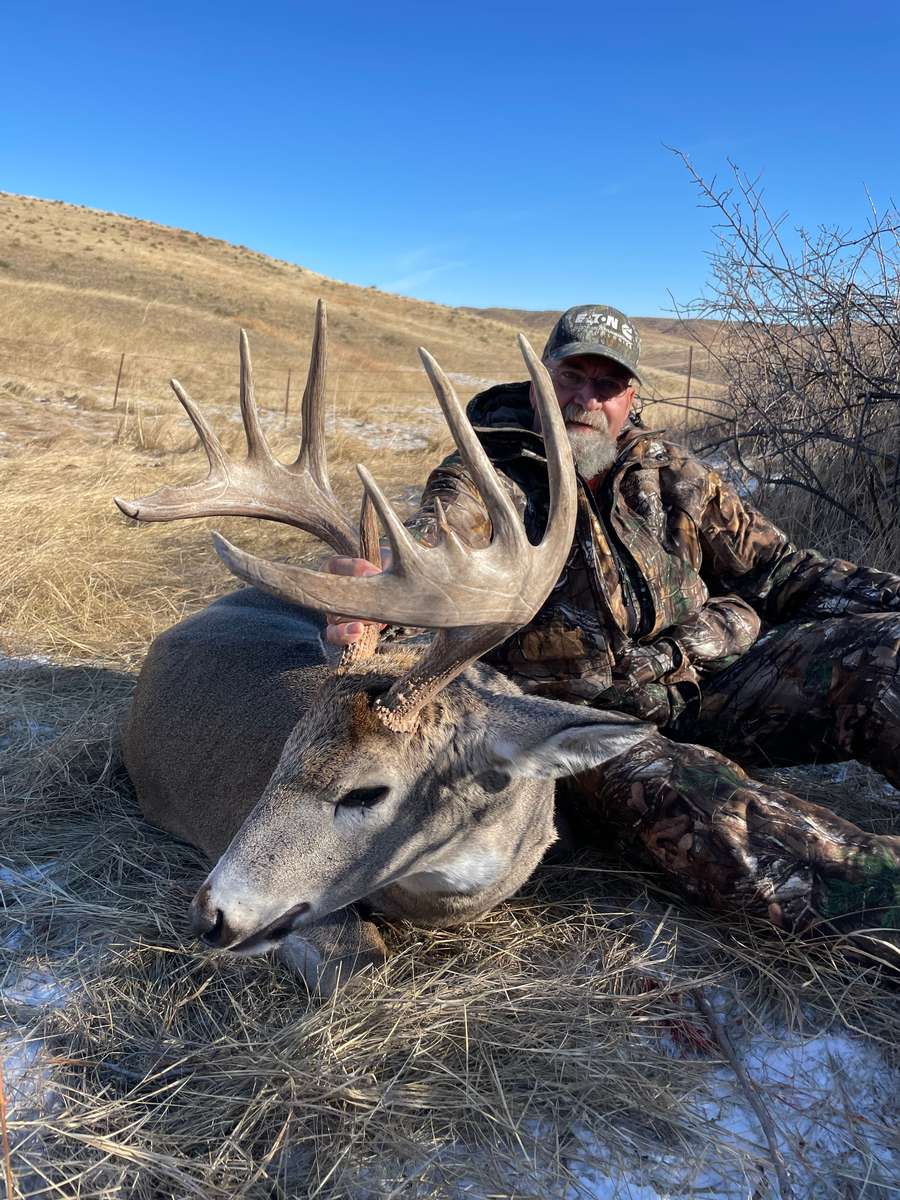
x=97 y=306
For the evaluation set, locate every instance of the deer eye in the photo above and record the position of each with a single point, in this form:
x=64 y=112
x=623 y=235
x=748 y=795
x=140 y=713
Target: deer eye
x=364 y=797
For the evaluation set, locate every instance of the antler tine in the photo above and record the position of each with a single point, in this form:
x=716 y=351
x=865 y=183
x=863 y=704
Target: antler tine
x=312 y=438
x=406 y=550
x=205 y=432
x=148 y=508
x=504 y=518
x=257 y=446
x=369 y=544
x=259 y=486
x=560 y=472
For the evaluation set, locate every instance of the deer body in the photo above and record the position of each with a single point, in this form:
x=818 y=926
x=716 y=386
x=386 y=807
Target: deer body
x=416 y=782
x=218 y=695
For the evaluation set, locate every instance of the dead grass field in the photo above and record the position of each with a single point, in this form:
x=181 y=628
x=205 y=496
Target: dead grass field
x=553 y=1050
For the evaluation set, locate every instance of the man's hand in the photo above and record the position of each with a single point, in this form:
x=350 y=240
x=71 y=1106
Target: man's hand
x=343 y=631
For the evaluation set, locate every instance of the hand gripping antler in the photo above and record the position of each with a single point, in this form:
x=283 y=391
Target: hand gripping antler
x=260 y=486
x=475 y=598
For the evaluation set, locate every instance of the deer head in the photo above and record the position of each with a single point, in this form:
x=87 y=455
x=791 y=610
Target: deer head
x=410 y=769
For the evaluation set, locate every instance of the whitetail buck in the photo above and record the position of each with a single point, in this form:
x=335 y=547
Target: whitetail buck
x=411 y=782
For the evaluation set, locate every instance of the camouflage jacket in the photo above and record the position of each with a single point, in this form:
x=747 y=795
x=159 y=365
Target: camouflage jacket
x=671 y=573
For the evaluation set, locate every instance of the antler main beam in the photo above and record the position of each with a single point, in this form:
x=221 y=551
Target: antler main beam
x=475 y=597
x=261 y=486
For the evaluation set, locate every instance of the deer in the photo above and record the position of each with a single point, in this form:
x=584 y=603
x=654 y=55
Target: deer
x=406 y=781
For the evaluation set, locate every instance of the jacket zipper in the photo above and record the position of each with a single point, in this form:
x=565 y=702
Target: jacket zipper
x=637 y=594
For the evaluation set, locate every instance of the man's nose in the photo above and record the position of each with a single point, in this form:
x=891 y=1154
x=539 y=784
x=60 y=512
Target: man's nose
x=587 y=400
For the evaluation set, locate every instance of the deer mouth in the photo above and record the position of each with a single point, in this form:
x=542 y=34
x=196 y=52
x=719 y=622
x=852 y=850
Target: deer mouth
x=273 y=933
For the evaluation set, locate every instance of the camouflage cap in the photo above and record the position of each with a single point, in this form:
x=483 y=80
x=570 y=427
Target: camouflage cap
x=595 y=329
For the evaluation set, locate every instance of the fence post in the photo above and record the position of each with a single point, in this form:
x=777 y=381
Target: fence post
x=118 y=381
x=287 y=396
x=687 y=393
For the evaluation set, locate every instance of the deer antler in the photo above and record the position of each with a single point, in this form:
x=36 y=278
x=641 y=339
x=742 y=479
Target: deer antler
x=260 y=486
x=476 y=598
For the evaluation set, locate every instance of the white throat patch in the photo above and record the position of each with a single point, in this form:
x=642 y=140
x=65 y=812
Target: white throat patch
x=463 y=872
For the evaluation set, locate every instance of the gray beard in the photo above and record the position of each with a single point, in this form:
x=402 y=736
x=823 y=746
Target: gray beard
x=592 y=449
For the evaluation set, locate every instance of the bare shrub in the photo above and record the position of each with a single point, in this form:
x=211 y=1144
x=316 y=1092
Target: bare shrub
x=809 y=352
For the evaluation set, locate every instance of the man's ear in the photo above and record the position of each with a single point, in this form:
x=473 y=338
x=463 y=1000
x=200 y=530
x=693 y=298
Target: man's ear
x=547 y=739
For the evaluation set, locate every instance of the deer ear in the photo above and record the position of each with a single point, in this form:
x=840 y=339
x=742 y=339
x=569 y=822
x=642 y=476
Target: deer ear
x=547 y=739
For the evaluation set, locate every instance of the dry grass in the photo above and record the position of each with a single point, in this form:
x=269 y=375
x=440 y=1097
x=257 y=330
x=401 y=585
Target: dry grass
x=462 y=1067
x=811 y=521
x=79 y=580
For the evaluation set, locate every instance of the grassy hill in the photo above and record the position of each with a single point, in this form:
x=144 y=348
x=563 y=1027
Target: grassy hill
x=80 y=287
x=88 y=298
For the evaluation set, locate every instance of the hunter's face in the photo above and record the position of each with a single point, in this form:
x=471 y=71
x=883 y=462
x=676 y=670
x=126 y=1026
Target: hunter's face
x=595 y=396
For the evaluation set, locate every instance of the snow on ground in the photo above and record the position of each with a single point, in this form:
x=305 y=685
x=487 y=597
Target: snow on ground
x=26 y=1077
x=386 y=431
x=24 y=989
x=833 y=1100
x=10 y=663
x=25 y=730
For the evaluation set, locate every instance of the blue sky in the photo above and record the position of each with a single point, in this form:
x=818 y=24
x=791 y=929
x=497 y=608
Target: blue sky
x=474 y=153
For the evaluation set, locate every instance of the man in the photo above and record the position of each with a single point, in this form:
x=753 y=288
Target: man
x=683 y=605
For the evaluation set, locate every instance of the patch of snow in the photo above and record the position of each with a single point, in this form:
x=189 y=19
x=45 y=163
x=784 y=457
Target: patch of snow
x=37 y=987
x=11 y=663
x=832 y=1098
x=27 y=730
x=465 y=380
x=383 y=435
x=26 y=1077
x=14 y=877
x=460 y=377
x=32 y=986
x=389 y=431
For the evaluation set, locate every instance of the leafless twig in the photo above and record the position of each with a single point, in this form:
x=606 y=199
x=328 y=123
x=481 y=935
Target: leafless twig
x=808 y=349
x=723 y=1041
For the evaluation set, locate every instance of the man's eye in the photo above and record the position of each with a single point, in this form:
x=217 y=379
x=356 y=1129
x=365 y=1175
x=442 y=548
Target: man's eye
x=365 y=797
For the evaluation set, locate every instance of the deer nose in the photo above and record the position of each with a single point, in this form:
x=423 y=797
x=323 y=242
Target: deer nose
x=208 y=922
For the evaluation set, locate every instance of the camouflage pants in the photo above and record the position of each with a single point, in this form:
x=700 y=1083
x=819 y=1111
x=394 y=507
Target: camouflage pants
x=821 y=691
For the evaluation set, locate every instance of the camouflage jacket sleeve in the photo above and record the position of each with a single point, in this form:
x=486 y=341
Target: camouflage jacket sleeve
x=746 y=554
x=710 y=639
